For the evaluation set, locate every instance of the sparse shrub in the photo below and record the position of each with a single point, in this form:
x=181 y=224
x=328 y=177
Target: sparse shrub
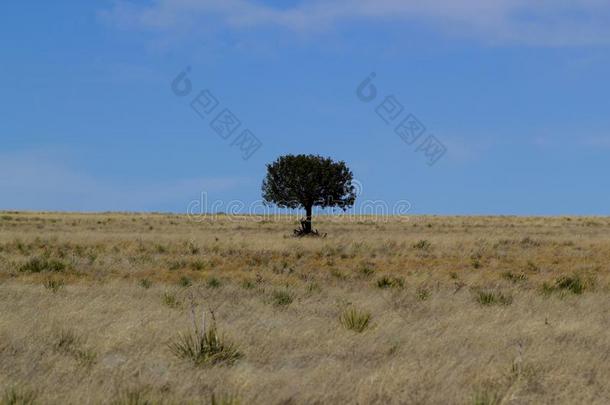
x=145 y=283
x=573 y=284
x=475 y=261
x=204 y=347
x=514 y=277
x=367 y=271
x=213 y=282
x=529 y=242
x=493 y=298
x=170 y=299
x=192 y=248
x=313 y=287
x=70 y=343
x=41 y=264
x=453 y=275
x=355 y=320
x=531 y=266
x=390 y=282
x=337 y=274
x=185 y=281
x=422 y=245
x=66 y=341
x=423 y=293
x=282 y=298
x=53 y=284
x=15 y=396
x=198 y=265
x=177 y=265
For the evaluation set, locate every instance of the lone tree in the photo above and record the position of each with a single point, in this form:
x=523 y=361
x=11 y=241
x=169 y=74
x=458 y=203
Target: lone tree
x=306 y=181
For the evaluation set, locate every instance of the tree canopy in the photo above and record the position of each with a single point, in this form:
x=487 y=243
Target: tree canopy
x=305 y=181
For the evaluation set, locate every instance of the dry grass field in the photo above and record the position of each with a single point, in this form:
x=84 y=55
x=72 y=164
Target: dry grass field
x=98 y=309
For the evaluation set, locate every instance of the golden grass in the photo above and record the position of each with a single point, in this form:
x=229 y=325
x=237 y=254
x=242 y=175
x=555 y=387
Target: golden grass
x=463 y=310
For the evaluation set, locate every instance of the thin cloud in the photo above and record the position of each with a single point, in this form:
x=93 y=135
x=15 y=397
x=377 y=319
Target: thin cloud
x=34 y=180
x=533 y=22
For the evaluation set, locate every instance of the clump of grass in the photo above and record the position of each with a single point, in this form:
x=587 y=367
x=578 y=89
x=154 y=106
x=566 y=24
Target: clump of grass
x=248 y=284
x=226 y=399
x=531 y=266
x=15 y=396
x=53 y=284
x=486 y=397
x=192 y=248
x=573 y=284
x=197 y=265
x=145 y=283
x=204 y=345
x=390 y=282
x=170 y=299
x=70 y=343
x=475 y=261
x=514 y=277
x=185 y=281
x=422 y=245
x=367 y=271
x=355 y=320
x=337 y=274
x=313 y=287
x=42 y=264
x=132 y=397
x=282 y=298
x=213 y=282
x=493 y=298
x=423 y=293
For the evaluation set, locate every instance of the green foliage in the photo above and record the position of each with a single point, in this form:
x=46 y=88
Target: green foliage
x=294 y=181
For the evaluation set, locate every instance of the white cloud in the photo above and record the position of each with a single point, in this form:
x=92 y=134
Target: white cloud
x=535 y=22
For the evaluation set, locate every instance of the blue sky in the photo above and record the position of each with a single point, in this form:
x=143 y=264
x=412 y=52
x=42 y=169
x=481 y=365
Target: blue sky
x=517 y=92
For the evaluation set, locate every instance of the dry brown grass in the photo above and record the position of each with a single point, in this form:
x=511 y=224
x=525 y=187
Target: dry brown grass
x=476 y=310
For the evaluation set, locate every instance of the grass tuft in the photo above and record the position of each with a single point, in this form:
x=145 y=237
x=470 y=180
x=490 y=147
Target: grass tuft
x=204 y=346
x=282 y=298
x=41 y=264
x=15 y=396
x=355 y=320
x=390 y=282
x=53 y=284
x=493 y=298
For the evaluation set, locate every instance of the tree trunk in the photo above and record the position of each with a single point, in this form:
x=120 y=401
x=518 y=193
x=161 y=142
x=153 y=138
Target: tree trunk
x=307 y=222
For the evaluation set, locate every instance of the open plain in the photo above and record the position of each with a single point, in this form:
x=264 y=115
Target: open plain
x=101 y=308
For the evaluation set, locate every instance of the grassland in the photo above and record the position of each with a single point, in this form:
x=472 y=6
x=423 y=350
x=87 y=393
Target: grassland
x=98 y=308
